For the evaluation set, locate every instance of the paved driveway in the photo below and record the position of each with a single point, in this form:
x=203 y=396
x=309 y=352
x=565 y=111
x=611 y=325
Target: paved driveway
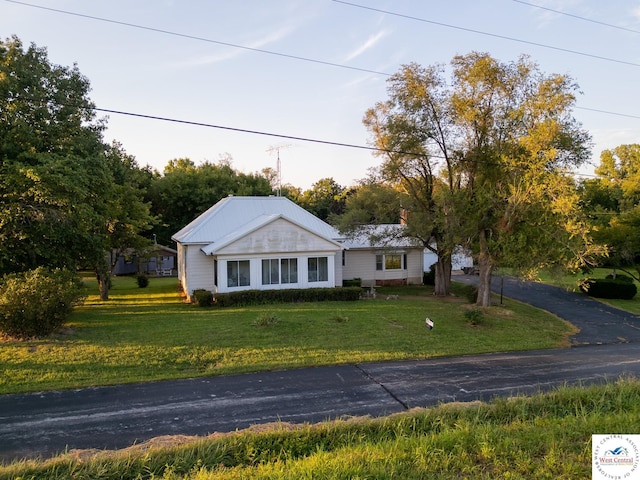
x=114 y=417
x=598 y=323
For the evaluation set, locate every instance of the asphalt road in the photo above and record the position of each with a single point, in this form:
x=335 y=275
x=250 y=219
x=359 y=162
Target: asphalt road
x=43 y=424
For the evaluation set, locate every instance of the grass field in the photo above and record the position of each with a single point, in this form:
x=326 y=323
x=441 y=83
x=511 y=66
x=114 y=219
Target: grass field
x=150 y=334
x=543 y=437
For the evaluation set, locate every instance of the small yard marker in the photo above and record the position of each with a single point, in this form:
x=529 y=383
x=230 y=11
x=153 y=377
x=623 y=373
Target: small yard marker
x=429 y=323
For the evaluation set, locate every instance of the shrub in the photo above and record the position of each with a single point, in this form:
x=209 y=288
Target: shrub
x=37 y=302
x=609 y=288
x=620 y=277
x=429 y=278
x=339 y=318
x=266 y=320
x=143 y=281
x=474 y=316
x=204 y=298
x=354 y=282
x=289 y=295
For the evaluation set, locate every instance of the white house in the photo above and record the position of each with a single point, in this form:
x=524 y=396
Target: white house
x=248 y=243
x=388 y=259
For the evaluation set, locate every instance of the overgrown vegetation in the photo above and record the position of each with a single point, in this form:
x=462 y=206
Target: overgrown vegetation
x=545 y=436
x=37 y=302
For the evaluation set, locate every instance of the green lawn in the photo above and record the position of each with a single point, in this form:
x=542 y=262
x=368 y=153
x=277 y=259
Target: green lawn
x=150 y=334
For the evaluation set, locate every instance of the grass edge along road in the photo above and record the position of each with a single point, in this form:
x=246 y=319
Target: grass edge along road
x=149 y=334
x=543 y=436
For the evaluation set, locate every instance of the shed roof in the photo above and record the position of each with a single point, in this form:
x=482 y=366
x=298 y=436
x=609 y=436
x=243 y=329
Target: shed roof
x=241 y=214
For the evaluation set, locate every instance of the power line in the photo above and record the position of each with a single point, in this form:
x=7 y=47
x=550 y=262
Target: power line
x=294 y=57
x=578 y=17
x=193 y=37
x=253 y=132
x=608 y=113
x=495 y=35
x=279 y=135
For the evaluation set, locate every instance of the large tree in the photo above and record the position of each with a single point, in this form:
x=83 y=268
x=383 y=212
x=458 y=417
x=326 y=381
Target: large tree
x=185 y=190
x=486 y=156
x=326 y=198
x=63 y=196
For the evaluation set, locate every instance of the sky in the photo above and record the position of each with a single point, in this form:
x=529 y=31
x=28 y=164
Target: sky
x=311 y=68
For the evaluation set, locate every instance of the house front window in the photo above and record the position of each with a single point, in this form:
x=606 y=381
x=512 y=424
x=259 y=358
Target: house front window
x=270 y=271
x=391 y=262
x=289 y=270
x=279 y=270
x=317 y=269
x=238 y=273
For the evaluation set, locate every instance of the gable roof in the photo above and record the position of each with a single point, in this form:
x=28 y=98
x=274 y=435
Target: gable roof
x=234 y=216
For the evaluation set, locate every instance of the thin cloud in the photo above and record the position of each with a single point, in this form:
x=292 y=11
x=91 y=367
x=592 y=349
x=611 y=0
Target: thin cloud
x=233 y=52
x=369 y=43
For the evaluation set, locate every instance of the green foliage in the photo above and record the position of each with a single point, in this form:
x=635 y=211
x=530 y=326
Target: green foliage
x=204 y=298
x=508 y=136
x=339 y=317
x=266 y=320
x=288 y=295
x=370 y=203
x=143 y=281
x=609 y=288
x=354 y=282
x=186 y=190
x=325 y=199
x=620 y=277
x=68 y=199
x=37 y=302
x=474 y=316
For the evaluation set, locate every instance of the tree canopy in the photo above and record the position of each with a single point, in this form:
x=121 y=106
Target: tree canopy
x=485 y=158
x=185 y=190
x=65 y=195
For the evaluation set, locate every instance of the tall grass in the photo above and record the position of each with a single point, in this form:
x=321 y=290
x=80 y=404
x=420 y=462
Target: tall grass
x=150 y=334
x=545 y=436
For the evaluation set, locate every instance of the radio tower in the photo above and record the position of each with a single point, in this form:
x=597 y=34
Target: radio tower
x=276 y=148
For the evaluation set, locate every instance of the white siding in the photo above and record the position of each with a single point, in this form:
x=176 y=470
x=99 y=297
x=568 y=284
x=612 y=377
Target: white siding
x=279 y=236
x=199 y=270
x=362 y=264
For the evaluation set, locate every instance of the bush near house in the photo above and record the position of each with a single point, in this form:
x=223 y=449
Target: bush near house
x=609 y=288
x=289 y=295
x=37 y=302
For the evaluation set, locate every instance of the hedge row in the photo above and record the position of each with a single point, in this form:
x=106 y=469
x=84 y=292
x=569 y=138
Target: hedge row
x=263 y=297
x=609 y=288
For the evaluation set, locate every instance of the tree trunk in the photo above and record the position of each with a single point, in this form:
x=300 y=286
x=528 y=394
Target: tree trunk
x=485 y=265
x=443 y=276
x=103 y=285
